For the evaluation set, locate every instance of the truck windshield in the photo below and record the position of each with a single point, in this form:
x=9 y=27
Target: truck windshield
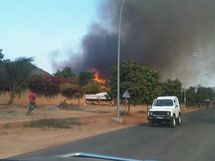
x=164 y=102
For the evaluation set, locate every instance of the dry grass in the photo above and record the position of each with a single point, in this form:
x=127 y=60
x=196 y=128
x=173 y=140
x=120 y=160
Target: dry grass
x=22 y=100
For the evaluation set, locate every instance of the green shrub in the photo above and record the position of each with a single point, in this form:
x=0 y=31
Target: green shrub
x=92 y=88
x=71 y=90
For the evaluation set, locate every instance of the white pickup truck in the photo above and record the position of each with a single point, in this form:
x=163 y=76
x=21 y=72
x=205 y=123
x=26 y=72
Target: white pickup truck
x=165 y=109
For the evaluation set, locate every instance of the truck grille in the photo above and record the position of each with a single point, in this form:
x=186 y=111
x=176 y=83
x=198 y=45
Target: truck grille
x=159 y=113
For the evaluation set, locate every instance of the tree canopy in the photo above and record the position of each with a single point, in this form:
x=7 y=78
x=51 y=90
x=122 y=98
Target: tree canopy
x=85 y=77
x=16 y=75
x=141 y=82
x=66 y=72
x=1 y=55
x=199 y=95
x=172 y=88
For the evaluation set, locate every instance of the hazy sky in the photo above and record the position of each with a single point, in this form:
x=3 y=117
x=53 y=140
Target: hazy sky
x=37 y=28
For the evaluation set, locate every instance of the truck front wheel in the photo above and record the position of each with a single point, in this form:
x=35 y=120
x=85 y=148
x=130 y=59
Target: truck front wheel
x=173 y=122
x=179 y=119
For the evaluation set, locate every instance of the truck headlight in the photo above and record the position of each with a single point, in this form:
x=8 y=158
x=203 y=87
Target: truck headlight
x=150 y=113
x=168 y=113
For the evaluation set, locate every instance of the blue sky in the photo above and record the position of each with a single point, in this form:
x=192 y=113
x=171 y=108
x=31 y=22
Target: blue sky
x=36 y=28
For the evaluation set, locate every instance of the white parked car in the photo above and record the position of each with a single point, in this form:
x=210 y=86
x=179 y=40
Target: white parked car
x=165 y=109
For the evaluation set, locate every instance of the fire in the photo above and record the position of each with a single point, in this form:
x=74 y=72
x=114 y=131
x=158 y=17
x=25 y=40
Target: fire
x=97 y=77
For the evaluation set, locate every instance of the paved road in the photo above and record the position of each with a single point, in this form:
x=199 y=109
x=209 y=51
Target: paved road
x=194 y=140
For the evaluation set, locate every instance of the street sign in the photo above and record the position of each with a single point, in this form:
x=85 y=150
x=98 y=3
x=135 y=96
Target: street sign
x=126 y=94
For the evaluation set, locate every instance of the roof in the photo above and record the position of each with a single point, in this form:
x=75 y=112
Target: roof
x=167 y=97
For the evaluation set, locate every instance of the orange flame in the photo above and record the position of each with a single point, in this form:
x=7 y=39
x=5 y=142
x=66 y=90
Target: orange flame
x=97 y=77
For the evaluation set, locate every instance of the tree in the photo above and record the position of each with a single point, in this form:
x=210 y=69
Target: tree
x=16 y=75
x=66 y=72
x=199 y=95
x=204 y=93
x=1 y=55
x=85 y=77
x=191 y=96
x=172 y=88
x=2 y=86
x=141 y=82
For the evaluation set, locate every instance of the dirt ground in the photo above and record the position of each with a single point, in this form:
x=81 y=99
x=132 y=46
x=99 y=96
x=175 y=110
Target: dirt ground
x=15 y=138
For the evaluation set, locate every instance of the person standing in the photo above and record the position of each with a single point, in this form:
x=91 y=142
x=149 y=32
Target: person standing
x=32 y=102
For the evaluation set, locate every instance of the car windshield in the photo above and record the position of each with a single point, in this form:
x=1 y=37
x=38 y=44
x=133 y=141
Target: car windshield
x=164 y=102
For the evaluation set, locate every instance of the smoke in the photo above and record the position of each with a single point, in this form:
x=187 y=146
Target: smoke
x=163 y=35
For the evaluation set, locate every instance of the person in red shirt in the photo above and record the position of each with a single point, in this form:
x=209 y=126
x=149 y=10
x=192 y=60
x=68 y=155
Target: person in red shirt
x=32 y=102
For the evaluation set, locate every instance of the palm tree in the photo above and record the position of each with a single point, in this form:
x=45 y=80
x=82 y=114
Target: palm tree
x=16 y=75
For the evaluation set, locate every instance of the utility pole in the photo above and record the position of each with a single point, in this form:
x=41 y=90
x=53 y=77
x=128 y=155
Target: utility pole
x=118 y=61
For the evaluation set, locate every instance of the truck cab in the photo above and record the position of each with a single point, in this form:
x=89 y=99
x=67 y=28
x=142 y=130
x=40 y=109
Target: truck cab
x=165 y=109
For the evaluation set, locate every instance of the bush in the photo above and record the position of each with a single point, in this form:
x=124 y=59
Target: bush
x=44 y=85
x=71 y=90
x=92 y=88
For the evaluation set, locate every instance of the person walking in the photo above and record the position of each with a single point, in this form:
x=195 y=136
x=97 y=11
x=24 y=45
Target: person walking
x=32 y=102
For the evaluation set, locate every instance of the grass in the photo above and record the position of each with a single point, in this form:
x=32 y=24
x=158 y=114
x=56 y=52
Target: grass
x=55 y=123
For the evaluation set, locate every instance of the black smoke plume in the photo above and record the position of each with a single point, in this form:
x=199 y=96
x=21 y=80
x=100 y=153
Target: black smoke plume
x=175 y=37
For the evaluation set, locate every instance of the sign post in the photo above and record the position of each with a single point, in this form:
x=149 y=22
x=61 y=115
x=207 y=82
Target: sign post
x=126 y=95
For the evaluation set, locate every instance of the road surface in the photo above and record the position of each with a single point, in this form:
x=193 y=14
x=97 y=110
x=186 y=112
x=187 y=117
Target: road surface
x=194 y=140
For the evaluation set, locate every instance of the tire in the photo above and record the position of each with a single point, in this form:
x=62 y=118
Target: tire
x=179 y=119
x=173 y=122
